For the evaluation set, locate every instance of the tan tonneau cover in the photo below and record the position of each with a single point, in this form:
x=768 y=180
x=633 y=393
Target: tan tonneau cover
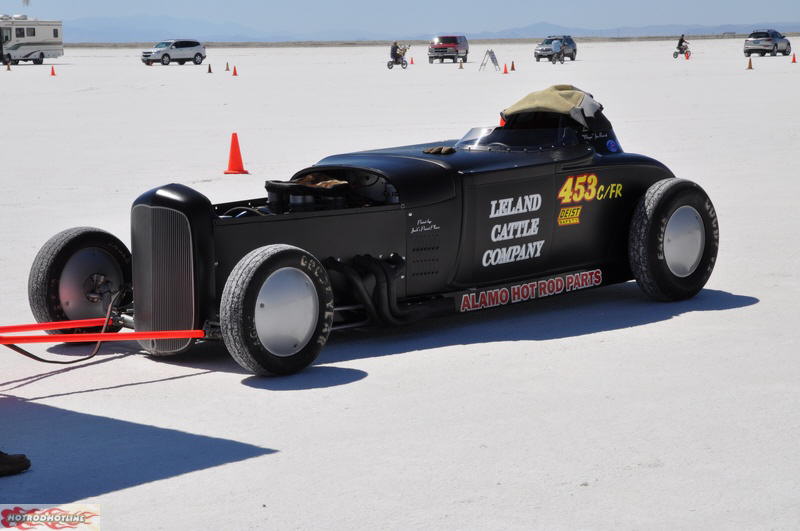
x=561 y=99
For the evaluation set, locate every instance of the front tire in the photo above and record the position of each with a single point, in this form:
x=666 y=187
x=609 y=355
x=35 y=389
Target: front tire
x=390 y=65
x=68 y=269
x=276 y=310
x=165 y=59
x=673 y=240
x=774 y=51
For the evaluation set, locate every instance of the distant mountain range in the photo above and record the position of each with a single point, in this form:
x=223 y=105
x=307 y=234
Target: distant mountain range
x=154 y=28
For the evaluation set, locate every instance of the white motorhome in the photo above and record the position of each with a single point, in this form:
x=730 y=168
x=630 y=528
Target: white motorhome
x=25 y=39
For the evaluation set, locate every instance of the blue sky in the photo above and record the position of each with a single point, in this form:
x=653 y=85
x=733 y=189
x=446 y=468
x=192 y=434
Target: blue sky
x=415 y=16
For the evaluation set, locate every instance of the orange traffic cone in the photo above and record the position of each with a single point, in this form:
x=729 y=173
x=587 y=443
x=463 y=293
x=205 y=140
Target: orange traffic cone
x=235 y=73
x=512 y=66
x=53 y=71
x=505 y=68
x=412 y=61
x=227 y=67
x=750 y=64
x=794 y=58
x=209 y=68
x=235 y=164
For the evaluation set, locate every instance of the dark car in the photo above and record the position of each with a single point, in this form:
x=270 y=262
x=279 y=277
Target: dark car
x=545 y=48
x=453 y=47
x=545 y=204
x=765 y=42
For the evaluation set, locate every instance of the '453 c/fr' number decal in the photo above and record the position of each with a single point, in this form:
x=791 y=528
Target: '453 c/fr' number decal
x=586 y=188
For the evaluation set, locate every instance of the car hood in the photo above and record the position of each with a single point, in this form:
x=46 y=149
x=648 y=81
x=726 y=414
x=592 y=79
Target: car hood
x=422 y=178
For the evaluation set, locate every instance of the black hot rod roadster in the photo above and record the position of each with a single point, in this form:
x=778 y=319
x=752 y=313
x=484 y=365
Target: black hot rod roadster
x=544 y=204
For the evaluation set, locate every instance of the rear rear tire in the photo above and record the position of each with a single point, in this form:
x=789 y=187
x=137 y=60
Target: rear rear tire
x=673 y=240
x=276 y=310
x=198 y=59
x=61 y=276
x=774 y=51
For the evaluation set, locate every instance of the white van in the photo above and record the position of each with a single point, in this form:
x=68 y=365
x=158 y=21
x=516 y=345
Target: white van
x=24 y=39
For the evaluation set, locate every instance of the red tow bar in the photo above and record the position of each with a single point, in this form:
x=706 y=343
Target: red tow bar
x=85 y=338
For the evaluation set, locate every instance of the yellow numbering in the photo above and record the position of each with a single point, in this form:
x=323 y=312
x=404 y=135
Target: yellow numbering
x=580 y=188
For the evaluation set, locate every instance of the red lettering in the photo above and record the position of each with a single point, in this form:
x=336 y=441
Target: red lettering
x=504 y=295
x=516 y=293
x=465 y=305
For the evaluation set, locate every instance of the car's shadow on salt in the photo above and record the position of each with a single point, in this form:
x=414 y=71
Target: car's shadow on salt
x=610 y=308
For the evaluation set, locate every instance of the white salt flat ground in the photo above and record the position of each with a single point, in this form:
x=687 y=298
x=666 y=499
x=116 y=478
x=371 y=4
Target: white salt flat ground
x=600 y=410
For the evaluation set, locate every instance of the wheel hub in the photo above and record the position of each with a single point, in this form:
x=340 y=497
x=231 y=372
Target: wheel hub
x=286 y=311
x=86 y=276
x=684 y=241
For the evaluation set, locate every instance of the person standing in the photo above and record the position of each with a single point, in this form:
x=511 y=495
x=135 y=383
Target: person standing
x=13 y=464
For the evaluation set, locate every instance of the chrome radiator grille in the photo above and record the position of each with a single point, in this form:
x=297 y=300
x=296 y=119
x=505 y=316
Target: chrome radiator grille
x=163 y=275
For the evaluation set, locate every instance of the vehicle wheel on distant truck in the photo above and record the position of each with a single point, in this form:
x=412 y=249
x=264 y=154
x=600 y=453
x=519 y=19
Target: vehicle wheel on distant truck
x=165 y=59
x=276 y=310
x=198 y=59
x=673 y=240
x=72 y=271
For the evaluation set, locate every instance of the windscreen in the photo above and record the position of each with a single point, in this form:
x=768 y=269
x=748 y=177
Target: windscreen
x=505 y=139
x=161 y=45
x=759 y=35
x=445 y=40
x=547 y=41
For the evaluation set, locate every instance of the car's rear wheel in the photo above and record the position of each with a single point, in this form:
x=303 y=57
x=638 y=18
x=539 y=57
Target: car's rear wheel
x=39 y=60
x=788 y=49
x=673 y=240
x=74 y=275
x=198 y=59
x=572 y=57
x=537 y=58
x=430 y=60
x=276 y=310
x=747 y=54
x=165 y=59
x=762 y=54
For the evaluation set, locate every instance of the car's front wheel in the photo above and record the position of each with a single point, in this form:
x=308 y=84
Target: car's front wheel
x=165 y=59
x=774 y=51
x=572 y=57
x=673 y=240
x=788 y=49
x=276 y=310
x=75 y=274
x=198 y=59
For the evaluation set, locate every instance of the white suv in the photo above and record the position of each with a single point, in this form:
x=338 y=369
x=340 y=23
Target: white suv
x=179 y=50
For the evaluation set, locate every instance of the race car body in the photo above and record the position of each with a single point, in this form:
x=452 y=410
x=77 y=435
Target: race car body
x=547 y=203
